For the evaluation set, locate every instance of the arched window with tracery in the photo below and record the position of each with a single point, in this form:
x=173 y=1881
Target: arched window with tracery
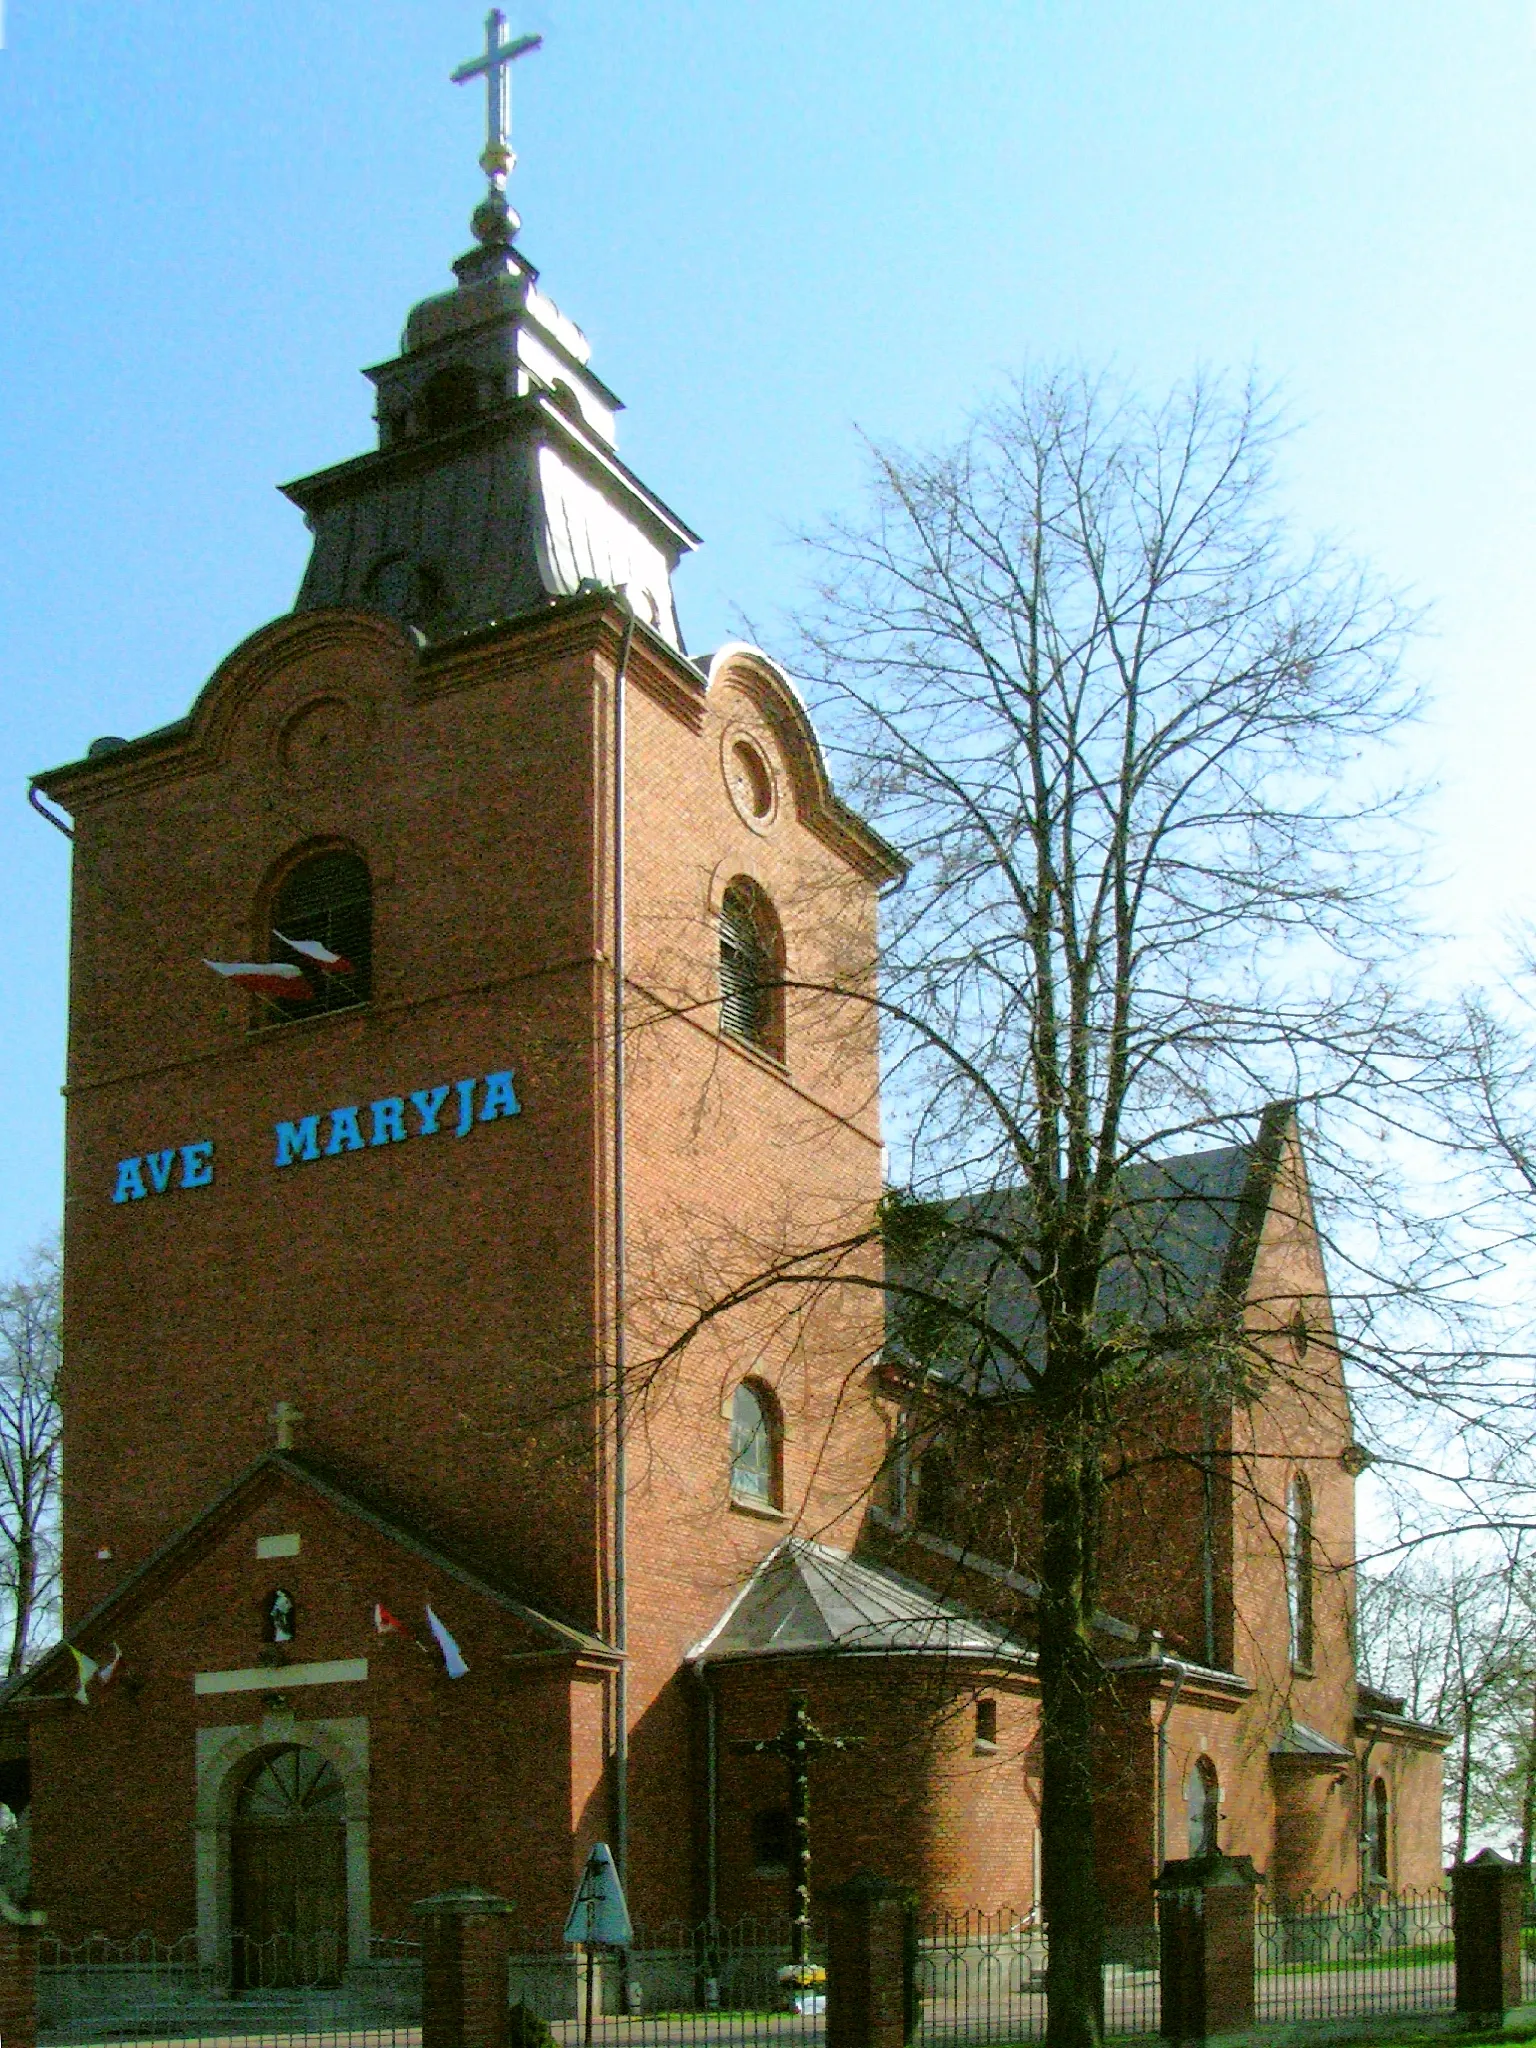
x=756 y=1445
x=751 y=968
x=1204 y=1808
x=1299 y=1569
x=322 y=923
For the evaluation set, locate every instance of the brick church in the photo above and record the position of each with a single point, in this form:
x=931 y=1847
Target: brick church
x=438 y=1048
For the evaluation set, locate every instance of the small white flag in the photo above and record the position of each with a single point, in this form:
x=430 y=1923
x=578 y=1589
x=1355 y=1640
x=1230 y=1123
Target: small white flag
x=87 y=1667
x=452 y=1656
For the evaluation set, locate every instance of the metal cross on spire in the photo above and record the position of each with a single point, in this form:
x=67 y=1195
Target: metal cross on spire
x=493 y=219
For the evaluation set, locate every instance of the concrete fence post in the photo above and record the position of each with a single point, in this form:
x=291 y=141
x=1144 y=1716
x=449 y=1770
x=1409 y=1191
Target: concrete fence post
x=464 y=1970
x=18 y=1973
x=1205 y=1946
x=871 y=1959
x=1487 y=1905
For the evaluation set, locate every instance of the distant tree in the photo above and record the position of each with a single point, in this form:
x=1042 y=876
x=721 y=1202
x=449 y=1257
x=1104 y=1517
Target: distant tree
x=29 y=1455
x=1126 y=734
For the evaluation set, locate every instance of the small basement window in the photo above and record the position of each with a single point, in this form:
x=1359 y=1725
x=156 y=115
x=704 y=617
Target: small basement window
x=772 y=1839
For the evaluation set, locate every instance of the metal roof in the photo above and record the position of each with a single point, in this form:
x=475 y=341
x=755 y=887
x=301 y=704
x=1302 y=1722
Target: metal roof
x=805 y=1599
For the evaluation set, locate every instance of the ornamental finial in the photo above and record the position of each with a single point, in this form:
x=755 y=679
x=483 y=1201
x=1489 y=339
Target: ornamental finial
x=493 y=220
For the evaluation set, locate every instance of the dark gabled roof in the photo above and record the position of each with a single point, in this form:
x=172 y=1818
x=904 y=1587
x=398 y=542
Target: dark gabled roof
x=1181 y=1254
x=562 y=1635
x=807 y=1600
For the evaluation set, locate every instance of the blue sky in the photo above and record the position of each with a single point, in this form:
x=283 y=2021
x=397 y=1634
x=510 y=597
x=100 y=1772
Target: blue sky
x=778 y=225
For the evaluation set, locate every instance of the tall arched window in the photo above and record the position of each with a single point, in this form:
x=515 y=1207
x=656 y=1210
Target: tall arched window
x=1380 y=1843
x=322 y=922
x=1299 y=1571
x=938 y=1489
x=755 y=1445
x=751 y=968
x=1204 y=1801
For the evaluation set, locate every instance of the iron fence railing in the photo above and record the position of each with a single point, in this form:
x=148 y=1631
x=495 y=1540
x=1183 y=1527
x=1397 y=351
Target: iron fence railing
x=1335 y=1957
x=287 y=1989
x=977 y=1977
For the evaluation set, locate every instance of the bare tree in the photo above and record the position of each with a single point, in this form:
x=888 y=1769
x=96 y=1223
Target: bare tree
x=29 y=1453
x=1126 y=734
x=1450 y=1631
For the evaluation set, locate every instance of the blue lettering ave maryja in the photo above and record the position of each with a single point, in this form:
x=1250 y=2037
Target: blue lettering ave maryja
x=154 y=1173
x=391 y=1119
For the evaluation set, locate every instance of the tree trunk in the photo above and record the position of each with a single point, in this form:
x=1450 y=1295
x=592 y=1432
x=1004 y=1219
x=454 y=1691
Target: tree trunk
x=1069 y=1671
x=1464 y=1796
x=26 y=1596
x=1528 y=1794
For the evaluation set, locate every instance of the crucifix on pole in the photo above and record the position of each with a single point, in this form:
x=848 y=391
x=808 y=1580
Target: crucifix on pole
x=797 y=1742
x=494 y=219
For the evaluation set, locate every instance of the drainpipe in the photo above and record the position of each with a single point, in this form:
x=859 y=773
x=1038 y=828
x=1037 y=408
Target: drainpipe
x=711 y=1797
x=1208 y=1538
x=620 y=1360
x=1160 y=1839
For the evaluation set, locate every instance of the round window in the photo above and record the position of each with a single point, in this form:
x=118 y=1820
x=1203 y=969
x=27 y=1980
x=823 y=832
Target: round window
x=750 y=781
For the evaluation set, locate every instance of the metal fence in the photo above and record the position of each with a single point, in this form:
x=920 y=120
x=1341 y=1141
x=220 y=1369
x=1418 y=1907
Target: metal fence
x=239 y=1991
x=1336 y=1958
x=979 y=1978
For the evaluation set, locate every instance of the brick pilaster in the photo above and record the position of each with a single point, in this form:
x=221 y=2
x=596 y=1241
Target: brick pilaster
x=1487 y=1897
x=871 y=2001
x=1205 y=1941
x=464 y=1970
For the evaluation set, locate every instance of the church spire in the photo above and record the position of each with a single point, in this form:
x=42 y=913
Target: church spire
x=493 y=220
x=496 y=486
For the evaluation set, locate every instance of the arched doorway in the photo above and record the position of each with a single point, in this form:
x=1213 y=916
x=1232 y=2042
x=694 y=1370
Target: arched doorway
x=288 y=1858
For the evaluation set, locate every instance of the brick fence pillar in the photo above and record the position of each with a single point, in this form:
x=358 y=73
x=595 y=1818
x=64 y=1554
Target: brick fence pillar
x=871 y=1952
x=18 y=1974
x=464 y=1970
x=1487 y=1898
x=1205 y=1946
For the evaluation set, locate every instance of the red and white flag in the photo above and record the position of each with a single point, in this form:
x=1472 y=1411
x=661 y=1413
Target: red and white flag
x=453 y=1657
x=109 y=1670
x=266 y=978
x=385 y=1623
x=327 y=961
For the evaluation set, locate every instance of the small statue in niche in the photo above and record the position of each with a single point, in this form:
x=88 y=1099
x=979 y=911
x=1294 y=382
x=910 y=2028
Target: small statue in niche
x=282 y=1617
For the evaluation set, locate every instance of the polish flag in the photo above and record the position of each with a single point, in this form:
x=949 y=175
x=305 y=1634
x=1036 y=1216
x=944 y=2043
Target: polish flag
x=385 y=1623
x=266 y=978
x=452 y=1655
x=327 y=961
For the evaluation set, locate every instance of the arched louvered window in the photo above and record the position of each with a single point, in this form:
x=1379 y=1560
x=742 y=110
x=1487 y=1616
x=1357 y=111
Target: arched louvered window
x=322 y=922
x=755 y=1445
x=751 y=969
x=1299 y=1570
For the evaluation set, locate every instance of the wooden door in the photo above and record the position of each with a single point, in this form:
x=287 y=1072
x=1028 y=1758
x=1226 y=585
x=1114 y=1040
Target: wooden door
x=289 y=1858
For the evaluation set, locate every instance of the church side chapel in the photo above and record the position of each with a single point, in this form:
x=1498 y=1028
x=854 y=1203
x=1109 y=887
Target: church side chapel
x=438 y=1039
